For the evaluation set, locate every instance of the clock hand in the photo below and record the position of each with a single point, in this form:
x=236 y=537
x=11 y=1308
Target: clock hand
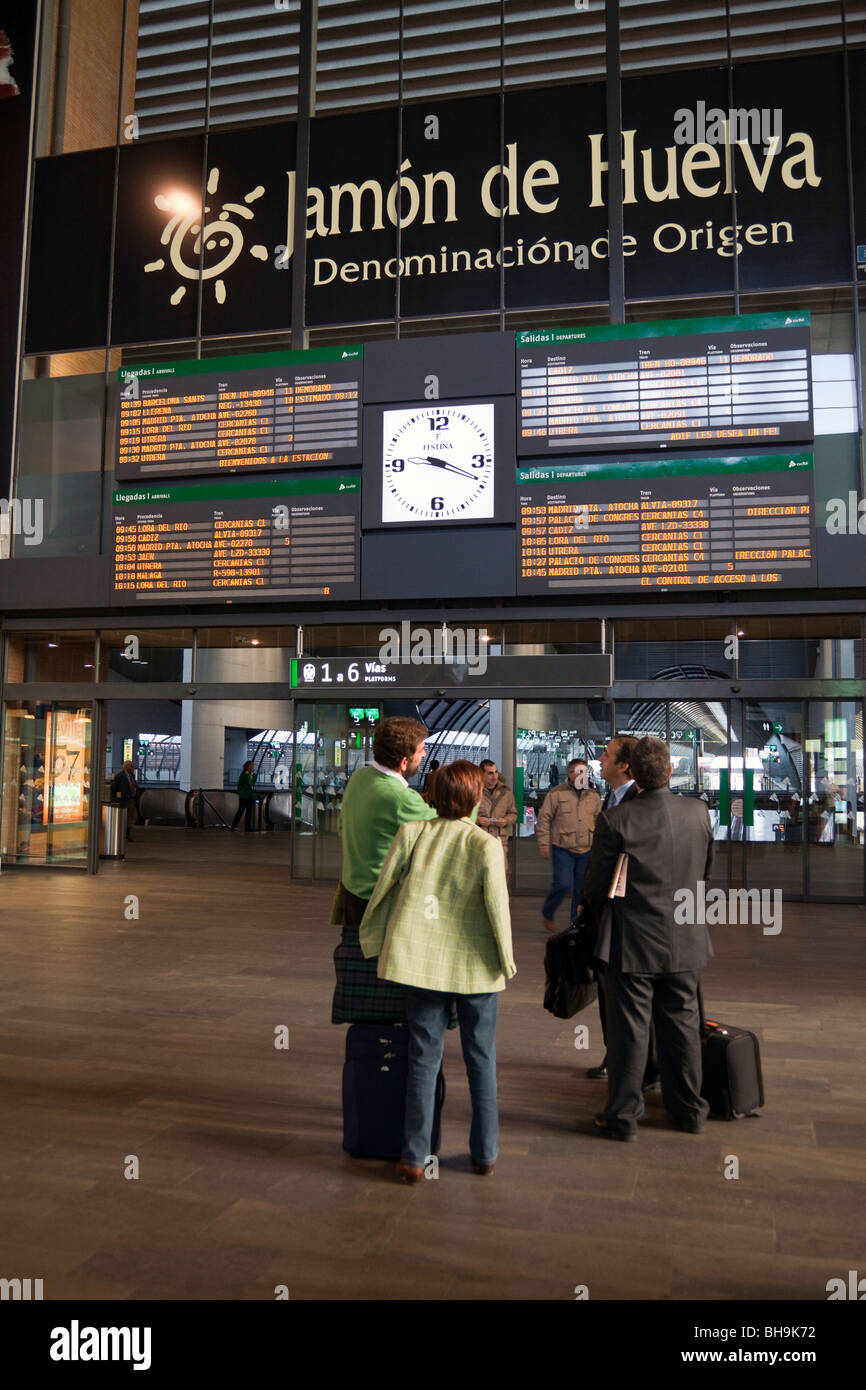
x=444 y=463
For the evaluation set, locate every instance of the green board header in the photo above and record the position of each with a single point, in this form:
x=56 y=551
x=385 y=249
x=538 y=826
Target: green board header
x=289 y=358
x=215 y=492
x=667 y=328
x=662 y=468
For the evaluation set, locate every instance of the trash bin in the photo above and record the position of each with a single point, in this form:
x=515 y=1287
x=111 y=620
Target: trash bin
x=112 y=839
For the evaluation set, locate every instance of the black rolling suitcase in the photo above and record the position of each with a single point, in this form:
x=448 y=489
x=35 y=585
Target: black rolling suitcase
x=733 y=1084
x=374 y=1091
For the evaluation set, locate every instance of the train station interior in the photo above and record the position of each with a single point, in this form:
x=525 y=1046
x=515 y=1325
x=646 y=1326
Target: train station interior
x=345 y=376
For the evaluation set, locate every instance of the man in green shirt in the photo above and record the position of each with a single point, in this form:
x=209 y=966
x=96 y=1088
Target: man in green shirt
x=376 y=802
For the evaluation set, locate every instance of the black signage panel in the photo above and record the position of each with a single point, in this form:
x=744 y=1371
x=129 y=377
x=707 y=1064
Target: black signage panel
x=444 y=192
x=792 y=189
x=67 y=297
x=697 y=524
x=462 y=364
x=247 y=285
x=439 y=463
x=156 y=266
x=351 y=239
x=555 y=201
x=274 y=538
x=277 y=410
x=471 y=670
x=677 y=180
x=697 y=382
x=465 y=213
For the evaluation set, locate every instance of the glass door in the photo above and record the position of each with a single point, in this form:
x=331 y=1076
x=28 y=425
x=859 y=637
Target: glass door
x=548 y=737
x=769 y=797
x=833 y=777
x=46 y=783
x=330 y=742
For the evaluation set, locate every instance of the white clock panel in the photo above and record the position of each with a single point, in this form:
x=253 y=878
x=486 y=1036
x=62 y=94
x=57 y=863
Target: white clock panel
x=437 y=463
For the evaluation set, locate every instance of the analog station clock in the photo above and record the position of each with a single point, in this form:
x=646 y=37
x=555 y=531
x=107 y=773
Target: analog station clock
x=437 y=463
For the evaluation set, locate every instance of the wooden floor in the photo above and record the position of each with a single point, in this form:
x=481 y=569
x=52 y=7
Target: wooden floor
x=155 y=1039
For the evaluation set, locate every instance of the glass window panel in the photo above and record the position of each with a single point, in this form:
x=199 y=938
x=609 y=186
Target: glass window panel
x=245 y=654
x=547 y=737
x=769 y=796
x=549 y=638
x=680 y=649
x=62 y=426
x=145 y=655
x=834 y=779
x=50 y=656
x=46 y=784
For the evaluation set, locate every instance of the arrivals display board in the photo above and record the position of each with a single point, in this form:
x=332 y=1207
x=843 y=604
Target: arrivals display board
x=274 y=538
x=692 y=383
x=666 y=524
x=272 y=410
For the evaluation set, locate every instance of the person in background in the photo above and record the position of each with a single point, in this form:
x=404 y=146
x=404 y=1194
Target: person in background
x=439 y=924
x=564 y=831
x=246 y=797
x=650 y=956
x=498 y=810
x=376 y=802
x=124 y=790
x=616 y=771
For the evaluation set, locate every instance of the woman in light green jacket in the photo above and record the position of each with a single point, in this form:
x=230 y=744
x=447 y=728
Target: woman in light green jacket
x=439 y=922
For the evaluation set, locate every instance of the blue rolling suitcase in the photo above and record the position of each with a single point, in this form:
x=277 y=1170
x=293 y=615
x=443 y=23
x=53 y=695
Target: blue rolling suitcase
x=374 y=1091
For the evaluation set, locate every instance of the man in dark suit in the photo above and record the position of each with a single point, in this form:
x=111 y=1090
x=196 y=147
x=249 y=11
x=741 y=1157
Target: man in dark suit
x=124 y=790
x=616 y=771
x=650 y=959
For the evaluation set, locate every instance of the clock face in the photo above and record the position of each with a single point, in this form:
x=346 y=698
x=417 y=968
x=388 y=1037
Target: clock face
x=437 y=463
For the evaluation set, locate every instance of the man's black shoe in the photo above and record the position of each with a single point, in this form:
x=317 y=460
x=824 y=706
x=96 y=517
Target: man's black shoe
x=626 y=1136
x=688 y=1126
x=651 y=1086
x=597 y=1073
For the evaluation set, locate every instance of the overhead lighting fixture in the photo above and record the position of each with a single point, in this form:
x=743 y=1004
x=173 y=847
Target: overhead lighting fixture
x=52 y=644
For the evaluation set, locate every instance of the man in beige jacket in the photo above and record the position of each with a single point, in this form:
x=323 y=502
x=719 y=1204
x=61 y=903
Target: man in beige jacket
x=564 y=830
x=498 y=809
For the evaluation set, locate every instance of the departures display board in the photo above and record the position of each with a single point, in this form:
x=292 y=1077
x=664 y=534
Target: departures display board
x=692 y=383
x=274 y=538
x=272 y=410
x=666 y=524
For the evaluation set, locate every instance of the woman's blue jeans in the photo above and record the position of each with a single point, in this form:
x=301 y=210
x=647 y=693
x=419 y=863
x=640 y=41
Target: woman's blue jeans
x=428 y=1011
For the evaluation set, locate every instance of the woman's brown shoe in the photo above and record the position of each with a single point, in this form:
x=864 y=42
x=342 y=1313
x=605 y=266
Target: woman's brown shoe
x=407 y=1174
x=486 y=1170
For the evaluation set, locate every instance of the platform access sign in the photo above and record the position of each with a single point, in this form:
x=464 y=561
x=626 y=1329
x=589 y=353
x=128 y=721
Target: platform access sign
x=328 y=675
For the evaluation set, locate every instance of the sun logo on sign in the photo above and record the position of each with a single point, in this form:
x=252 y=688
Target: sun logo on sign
x=223 y=236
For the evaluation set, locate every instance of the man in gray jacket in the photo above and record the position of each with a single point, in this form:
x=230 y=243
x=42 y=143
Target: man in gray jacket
x=651 y=957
